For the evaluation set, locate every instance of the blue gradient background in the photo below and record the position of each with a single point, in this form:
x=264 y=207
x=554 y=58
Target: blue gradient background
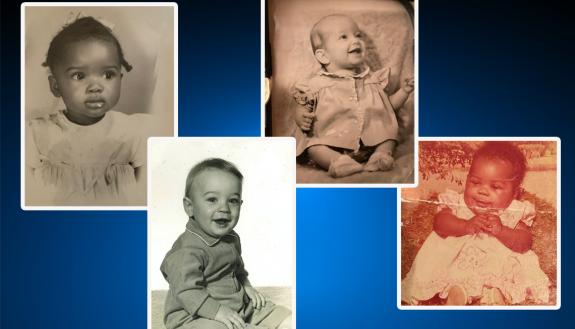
x=486 y=68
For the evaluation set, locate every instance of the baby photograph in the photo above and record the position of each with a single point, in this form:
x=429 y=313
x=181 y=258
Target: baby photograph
x=221 y=233
x=341 y=76
x=97 y=81
x=482 y=229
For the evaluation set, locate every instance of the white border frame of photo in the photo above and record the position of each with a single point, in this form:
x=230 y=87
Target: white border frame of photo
x=495 y=307
x=415 y=96
x=23 y=7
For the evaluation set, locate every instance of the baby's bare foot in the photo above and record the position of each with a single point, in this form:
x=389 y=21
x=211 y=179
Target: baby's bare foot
x=379 y=161
x=344 y=166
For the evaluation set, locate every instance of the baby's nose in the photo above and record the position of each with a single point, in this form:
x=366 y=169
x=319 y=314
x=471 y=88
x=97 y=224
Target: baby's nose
x=224 y=207
x=94 y=87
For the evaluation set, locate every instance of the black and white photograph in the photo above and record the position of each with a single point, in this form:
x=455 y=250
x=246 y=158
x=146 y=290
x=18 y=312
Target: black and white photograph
x=97 y=81
x=221 y=233
x=342 y=80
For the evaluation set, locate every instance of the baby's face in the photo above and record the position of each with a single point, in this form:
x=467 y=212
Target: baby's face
x=215 y=201
x=88 y=78
x=343 y=43
x=490 y=185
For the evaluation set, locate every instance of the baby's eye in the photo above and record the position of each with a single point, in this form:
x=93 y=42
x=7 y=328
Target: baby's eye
x=358 y=35
x=343 y=36
x=109 y=75
x=78 y=75
x=496 y=187
x=235 y=201
x=212 y=199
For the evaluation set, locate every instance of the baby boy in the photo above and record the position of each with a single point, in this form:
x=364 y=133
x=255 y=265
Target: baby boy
x=209 y=287
x=348 y=121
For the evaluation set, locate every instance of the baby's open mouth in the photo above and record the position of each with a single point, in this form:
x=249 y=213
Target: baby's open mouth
x=355 y=50
x=222 y=221
x=94 y=104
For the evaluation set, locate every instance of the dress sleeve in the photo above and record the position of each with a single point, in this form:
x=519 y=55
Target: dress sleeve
x=304 y=95
x=182 y=269
x=32 y=152
x=449 y=200
x=522 y=211
x=528 y=214
x=140 y=124
x=381 y=78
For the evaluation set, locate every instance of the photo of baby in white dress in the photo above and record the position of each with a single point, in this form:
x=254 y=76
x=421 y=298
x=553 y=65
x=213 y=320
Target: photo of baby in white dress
x=85 y=143
x=344 y=89
x=481 y=229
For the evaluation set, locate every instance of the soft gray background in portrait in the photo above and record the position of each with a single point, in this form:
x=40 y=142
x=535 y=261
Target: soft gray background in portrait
x=390 y=44
x=146 y=35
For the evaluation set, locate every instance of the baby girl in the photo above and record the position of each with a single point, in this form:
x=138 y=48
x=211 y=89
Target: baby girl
x=480 y=248
x=86 y=153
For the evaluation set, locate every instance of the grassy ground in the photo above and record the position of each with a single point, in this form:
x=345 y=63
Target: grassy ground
x=417 y=223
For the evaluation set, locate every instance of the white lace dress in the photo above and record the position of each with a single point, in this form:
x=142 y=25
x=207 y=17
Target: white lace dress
x=476 y=262
x=85 y=165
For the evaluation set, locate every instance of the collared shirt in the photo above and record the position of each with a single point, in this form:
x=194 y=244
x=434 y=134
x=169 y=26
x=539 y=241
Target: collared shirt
x=349 y=109
x=203 y=272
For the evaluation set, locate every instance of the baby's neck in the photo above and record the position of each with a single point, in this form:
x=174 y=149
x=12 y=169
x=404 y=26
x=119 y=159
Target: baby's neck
x=346 y=71
x=82 y=120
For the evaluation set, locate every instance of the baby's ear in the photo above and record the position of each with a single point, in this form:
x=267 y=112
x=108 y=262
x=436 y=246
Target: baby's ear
x=321 y=56
x=54 y=86
x=188 y=207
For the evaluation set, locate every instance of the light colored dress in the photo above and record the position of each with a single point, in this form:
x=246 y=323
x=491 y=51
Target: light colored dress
x=85 y=165
x=476 y=262
x=348 y=109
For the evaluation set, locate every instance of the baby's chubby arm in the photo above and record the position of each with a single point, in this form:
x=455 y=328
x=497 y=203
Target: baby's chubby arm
x=446 y=224
x=304 y=118
x=398 y=99
x=518 y=239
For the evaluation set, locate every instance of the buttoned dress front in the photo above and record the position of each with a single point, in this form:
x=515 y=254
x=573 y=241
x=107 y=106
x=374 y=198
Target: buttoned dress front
x=350 y=110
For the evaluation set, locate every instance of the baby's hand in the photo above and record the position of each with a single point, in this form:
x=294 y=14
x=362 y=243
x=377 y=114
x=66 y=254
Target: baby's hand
x=408 y=85
x=257 y=297
x=477 y=224
x=493 y=224
x=304 y=118
x=231 y=319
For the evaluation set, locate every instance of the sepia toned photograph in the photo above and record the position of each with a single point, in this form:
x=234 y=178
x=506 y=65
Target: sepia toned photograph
x=341 y=79
x=221 y=233
x=97 y=81
x=482 y=229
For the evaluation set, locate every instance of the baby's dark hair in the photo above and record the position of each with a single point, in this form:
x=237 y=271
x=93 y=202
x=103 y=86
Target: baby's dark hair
x=82 y=29
x=211 y=163
x=505 y=151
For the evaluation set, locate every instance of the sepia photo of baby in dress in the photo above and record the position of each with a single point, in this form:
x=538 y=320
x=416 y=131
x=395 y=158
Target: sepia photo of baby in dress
x=342 y=80
x=209 y=286
x=480 y=249
x=88 y=153
x=347 y=120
